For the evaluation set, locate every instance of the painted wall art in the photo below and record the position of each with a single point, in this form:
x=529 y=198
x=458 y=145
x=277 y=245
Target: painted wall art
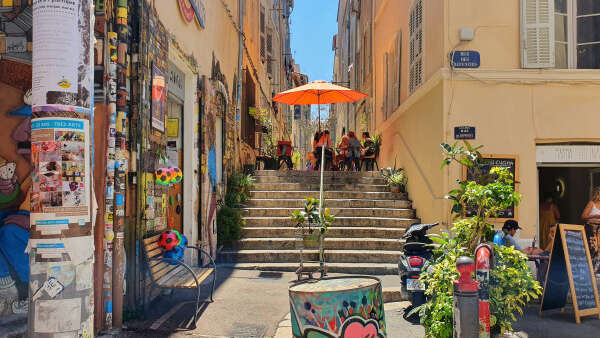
x=348 y=312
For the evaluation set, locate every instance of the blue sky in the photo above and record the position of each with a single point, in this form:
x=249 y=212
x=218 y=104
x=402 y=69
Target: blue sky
x=313 y=24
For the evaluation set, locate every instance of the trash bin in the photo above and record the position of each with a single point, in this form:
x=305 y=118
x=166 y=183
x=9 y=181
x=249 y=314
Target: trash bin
x=338 y=307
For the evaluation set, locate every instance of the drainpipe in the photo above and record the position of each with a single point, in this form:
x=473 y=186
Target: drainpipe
x=238 y=112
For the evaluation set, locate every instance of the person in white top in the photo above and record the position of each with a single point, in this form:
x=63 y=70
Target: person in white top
x=591 y=217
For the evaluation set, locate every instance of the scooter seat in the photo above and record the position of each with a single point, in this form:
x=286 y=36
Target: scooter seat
x=414 y=247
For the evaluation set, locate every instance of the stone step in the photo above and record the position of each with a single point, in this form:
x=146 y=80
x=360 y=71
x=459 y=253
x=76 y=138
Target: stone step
x=346 y=268
x=317 y=179
x=338 y=212
x=332 y=232
x=339 y=221
x=287 y=256
x=299 y=173
x=316 y=187
x=327 y=194
x=329 y=243
x=332 y=203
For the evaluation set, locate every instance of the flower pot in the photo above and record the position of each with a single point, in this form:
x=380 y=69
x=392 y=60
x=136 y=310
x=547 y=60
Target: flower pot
x=395 y=188
x=306 y=239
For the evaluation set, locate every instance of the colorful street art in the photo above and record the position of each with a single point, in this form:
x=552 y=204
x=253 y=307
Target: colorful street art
x=338 y=307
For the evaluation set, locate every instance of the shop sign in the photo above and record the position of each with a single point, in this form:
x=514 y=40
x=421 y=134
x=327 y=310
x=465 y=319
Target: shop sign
x=297 y=112
x=568 y=154
x=464 y=133
x=193 y=10
x=466 y=59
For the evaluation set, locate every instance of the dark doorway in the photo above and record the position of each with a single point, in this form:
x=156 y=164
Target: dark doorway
x=570 y=187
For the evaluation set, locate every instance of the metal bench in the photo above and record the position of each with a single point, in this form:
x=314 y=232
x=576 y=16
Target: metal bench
x=177 y=275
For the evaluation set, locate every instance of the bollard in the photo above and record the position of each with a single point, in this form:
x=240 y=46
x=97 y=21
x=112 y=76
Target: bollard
x=466 y=314
x=484 y=263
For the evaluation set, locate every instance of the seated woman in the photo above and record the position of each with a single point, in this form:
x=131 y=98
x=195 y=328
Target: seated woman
x=325 y=142
x=353 y=152
x=343 y=148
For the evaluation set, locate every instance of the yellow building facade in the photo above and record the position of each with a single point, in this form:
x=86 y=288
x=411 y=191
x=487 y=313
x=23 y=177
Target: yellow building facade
x=519 y=100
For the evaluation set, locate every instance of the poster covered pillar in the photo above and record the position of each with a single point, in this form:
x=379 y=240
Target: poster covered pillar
x=61 y=245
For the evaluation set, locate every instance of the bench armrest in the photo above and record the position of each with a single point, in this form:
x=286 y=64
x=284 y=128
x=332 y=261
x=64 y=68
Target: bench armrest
x=173 y=260
x=212 y=261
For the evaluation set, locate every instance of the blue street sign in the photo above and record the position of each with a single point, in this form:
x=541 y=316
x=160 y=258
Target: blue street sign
x=464 y=133
x=466 y=59
x=297 y=112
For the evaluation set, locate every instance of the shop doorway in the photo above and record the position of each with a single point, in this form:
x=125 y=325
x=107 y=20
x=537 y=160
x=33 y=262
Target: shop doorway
x=570 y=187
x=175 y=153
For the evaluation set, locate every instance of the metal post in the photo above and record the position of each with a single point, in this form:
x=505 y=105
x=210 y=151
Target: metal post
x=466 y=317
x=61 y=256
x=484 y=263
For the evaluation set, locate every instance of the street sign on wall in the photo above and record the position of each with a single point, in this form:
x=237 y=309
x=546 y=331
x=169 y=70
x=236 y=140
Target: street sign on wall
x=297 y=112
x=466 y=59
x=464 y=133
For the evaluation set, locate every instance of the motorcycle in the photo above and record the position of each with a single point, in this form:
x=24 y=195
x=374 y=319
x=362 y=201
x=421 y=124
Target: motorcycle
x=416 y=252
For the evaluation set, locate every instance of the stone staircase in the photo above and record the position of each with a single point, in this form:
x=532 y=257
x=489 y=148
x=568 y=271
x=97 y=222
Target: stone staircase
x=364 y=239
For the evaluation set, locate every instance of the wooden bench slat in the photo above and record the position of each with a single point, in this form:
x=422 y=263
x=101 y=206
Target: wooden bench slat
x=165 y=269
x=151 y=246
x=162 y=280
x=178 y=280
x=201 y=274
x=151 y=239
x=154 y=253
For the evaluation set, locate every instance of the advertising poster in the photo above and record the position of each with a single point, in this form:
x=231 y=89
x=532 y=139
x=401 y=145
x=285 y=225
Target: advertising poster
x=159 y=99
x=57 y=47
x=61 y=159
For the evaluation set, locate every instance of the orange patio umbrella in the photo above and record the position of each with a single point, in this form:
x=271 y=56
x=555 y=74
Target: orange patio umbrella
x=318 y=92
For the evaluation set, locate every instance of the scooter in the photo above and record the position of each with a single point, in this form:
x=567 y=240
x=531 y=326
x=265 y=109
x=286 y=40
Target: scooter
x=417 y=250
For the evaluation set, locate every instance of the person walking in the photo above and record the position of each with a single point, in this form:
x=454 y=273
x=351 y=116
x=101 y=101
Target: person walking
x=549 y=215
x=591 y=217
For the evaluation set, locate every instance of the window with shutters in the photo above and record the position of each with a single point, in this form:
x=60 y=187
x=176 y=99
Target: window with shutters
x=270 y=51
x=416 y=46
x=386 y=80
x=393 y=63
x=537 y=33
x=577 y=34
x=263 y=42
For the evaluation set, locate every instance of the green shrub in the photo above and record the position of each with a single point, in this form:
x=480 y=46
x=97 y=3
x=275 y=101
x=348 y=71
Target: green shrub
x=229 y=225
x=229 y=216
x=511 y=281
x=238 y=189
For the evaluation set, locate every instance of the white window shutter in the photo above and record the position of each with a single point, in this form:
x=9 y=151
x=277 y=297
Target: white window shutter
x=537 y=33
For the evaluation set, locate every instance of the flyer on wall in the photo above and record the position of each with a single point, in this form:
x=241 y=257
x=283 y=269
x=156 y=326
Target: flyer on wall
x=159 y=99
x=56 y=45
x=61 y=160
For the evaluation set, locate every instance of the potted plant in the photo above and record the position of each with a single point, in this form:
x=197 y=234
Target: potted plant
x=397 y=182
x=311 y=227
x=395 y=178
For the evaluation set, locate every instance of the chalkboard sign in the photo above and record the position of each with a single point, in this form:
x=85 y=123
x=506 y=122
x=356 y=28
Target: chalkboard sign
x=570 y=268
x=490 y=161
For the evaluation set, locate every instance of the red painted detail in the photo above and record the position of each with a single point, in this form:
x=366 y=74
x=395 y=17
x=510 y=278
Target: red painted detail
x=483 y=259
x=465 y=282
x=415 y=260
x=187 y=10
x=484 y=319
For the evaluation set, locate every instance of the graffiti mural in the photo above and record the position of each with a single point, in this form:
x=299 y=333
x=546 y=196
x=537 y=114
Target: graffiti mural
x=338 y=307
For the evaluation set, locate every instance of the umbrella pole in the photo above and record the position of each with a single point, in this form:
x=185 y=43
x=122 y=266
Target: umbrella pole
x=321 y=253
